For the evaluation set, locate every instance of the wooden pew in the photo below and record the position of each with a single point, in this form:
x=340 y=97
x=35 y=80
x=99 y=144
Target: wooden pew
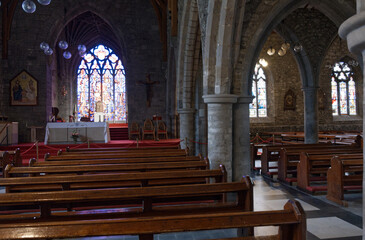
x=4 y=160
x=34 y=163
x=104 y=168
x=342 y=176
x=176 y=153
x=68 y=149
x=48 y=223
x=254 y=148
x=77 y=182
x=291 y=221
x=313 y=168
x=146 y=201
x=270 y=154
x=122 y=151
x=289 y=158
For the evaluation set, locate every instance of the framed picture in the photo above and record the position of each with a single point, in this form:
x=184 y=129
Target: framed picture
x=289 y=100
x=23 y=90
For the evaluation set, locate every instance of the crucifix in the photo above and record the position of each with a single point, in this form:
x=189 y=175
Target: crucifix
x=148 y=85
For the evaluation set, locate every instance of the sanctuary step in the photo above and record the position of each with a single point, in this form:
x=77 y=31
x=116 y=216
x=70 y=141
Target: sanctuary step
x=118 y=133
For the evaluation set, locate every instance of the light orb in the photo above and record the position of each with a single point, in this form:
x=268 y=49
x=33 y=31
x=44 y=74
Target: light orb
x=298 y=48
x=82 y=54
x=44 y=46
x=44 y=2
x=48 y=52
x=67 y=55
x=81 y=48
x=63 y=45
x=29 y=6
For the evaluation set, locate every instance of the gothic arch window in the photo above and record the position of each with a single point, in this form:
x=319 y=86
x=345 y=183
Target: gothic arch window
x=258 y=107
x=101 y=79
x=343 y=90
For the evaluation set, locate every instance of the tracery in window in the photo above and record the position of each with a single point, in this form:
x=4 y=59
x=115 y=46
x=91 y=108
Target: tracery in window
x=258 y=107
x=101 y=77
x=343 y=90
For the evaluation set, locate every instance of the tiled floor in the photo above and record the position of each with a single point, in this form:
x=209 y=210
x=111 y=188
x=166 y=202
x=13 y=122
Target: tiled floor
x=325 y=220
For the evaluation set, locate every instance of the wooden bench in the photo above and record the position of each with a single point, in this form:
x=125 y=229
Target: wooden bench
x=109 y=155
x=342 y=176
x=34 y=163
x=68 y=149
x=123 y=151
x=145 y=201
x=254 y=149
x=312 y=169
x=291 y=221
x=4 y=160
x=77 y=182
x=104 y=168
x=289 y=158
x=270 y=156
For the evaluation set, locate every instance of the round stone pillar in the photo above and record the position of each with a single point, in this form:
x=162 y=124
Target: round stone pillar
x=241 y=138
x=187 y=127
x=220 y=130
x=353 y=30
x=310 y=115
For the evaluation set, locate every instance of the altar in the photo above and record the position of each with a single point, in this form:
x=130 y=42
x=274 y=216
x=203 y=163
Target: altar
x=61 y=132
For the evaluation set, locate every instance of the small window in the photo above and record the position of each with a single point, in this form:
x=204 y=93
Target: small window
x=258 y=107
x=343 y=90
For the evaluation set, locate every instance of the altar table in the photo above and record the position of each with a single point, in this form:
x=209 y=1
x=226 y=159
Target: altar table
x=61 y=132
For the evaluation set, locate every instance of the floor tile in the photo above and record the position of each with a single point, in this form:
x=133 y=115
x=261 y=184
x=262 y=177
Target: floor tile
x=332 y=227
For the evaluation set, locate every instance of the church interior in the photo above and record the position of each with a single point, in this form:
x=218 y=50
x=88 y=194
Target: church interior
x=270 y=92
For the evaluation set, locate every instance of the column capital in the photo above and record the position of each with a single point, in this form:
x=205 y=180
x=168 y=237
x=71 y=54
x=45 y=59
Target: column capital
x=220 y=98
x=245 y=99
x=353 y=30
x=185 y=110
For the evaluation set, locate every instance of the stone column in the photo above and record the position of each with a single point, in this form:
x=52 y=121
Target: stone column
x=310 y=115
x=353 y=30
x=241 y=138
x=220 y=130
x=187 y=127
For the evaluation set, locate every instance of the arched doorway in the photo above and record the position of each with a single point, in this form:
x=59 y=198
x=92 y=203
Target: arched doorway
x=101 y=79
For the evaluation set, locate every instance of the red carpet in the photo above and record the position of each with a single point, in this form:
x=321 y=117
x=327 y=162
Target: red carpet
x=118 y=125
x=118 y=131
x=28 y=150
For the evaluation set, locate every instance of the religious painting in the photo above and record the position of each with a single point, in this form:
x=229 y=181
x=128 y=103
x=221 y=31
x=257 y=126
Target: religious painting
x=289 y=100
x=23 y=90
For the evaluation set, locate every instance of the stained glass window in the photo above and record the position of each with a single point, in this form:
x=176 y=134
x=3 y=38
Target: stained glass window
x=343 y=90
x=101 y=77
x=258 y=107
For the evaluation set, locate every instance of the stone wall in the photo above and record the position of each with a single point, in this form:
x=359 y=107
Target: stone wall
x=136 y=26
x=283 y=74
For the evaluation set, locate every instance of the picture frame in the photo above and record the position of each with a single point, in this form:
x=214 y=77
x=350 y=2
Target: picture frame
x=23 y=90
x=289 y=100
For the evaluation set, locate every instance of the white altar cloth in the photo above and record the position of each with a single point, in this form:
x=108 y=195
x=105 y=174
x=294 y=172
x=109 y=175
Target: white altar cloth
x=61 y=132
